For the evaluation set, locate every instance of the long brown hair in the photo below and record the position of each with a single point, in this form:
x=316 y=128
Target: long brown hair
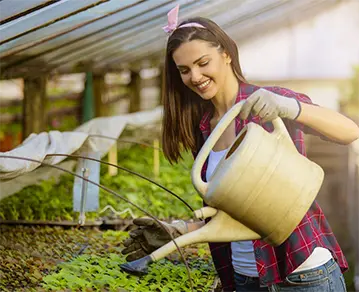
x=183 y=108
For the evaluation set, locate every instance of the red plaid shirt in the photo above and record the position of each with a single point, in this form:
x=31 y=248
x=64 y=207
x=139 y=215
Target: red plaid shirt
x=275 y=263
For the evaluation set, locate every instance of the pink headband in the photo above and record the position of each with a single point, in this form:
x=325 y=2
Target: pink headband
x=172 y=17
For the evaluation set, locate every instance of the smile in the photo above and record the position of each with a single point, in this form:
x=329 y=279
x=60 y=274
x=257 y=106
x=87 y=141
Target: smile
x=203 y=86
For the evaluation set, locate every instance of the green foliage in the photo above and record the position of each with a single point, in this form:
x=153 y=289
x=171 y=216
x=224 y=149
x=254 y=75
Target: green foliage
x=47 y=201
x=65 y=123
x=89 y=260
x=27 y=254
x=96 y=273
x=13 y=128
x=15 y=109
x=61 y=103
x=62 y=123
x=43 y=259
x=53 y=201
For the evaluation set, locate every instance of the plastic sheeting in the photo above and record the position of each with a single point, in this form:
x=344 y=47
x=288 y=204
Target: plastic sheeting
x=15 y=174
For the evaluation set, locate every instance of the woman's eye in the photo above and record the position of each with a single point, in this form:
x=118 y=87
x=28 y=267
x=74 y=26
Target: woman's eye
x=203 y=64
x=183 y=72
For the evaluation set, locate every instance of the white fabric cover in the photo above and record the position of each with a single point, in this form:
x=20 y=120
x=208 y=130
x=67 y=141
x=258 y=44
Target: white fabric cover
x=15 y=174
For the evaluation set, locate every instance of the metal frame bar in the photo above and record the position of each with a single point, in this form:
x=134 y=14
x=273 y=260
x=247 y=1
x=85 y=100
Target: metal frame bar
x=105 y=38
x=157 y=38
x=292 y=8
x=27 y=11
x=145 y=44
x=61 y=63
x=107 y=43
x=65 y=45
x=52 y=21
x=112 y=47
x=113 y=36
x=55 y=35
x=131 y=25
x=101 y=50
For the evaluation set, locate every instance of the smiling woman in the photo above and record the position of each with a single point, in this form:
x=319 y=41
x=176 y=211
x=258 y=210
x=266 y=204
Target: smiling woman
x=208 y=74
x=203 y=80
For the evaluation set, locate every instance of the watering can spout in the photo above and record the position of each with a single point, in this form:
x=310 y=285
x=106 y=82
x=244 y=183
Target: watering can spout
x=221 y=228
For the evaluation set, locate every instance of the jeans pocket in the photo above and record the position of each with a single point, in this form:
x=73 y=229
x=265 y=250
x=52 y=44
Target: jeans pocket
x=342 y=280
x=307 y=278
x=240 y=279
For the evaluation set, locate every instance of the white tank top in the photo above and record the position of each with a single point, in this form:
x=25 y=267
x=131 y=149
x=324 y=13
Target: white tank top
x=243 y=258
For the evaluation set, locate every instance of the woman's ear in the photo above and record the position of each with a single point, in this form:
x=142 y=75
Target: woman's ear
x=227 y=58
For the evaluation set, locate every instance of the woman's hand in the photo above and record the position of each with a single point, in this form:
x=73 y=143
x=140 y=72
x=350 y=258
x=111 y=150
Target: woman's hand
x=150 y=236
x=268 y=106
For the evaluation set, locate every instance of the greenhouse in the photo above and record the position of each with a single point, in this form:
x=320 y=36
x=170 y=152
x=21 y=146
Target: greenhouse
x=86 y=149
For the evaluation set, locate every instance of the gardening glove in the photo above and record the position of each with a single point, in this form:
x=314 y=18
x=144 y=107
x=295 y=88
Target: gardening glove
x=149 y=236
x=268 y=106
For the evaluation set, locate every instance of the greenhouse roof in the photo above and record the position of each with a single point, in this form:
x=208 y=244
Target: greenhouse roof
x=62 y=36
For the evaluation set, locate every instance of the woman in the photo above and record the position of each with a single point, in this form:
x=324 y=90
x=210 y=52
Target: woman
x=203 y=80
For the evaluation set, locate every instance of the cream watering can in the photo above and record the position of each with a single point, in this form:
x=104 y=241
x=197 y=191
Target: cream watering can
x=261 y=189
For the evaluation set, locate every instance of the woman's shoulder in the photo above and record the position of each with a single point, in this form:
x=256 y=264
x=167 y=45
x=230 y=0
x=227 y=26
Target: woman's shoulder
x=246 y=89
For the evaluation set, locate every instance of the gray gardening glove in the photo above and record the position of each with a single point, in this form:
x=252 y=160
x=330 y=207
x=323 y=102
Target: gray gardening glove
x=268 y=106
x=149 y=236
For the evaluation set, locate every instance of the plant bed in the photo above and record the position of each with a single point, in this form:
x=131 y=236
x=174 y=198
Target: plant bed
x=37 y=257
x=59 y=259
x=52 y=200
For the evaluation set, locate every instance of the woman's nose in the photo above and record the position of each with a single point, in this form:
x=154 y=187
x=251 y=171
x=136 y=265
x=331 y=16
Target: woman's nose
x=196 y=76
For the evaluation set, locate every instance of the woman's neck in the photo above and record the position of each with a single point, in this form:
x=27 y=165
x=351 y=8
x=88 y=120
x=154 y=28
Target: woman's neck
x=225 y=99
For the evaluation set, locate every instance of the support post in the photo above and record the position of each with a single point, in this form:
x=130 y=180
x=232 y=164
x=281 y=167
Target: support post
x=88 y=111
x=34 y=104
x=135 y=88
x=112 y=158
x=99 y=89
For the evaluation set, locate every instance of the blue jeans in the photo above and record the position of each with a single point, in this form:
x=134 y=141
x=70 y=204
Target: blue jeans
x=246 y=284
x=325 y=278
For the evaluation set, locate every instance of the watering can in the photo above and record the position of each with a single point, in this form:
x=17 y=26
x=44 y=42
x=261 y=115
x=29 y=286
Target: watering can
x=261 y=189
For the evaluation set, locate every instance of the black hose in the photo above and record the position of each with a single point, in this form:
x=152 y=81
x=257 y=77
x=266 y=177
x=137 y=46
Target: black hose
x=129 y=171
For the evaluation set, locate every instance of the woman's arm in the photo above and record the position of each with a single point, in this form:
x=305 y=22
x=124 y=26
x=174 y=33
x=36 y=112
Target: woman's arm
x=285 y=103
x=329 y=123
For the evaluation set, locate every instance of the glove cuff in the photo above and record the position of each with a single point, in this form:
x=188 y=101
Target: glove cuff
x=180 y=225
x=290 y=108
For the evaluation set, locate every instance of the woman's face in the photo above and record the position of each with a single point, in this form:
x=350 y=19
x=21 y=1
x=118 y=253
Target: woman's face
x=202 y=67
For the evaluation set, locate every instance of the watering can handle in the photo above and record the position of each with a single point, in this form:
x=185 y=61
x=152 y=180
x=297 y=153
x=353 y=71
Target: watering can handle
x=199 y=184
